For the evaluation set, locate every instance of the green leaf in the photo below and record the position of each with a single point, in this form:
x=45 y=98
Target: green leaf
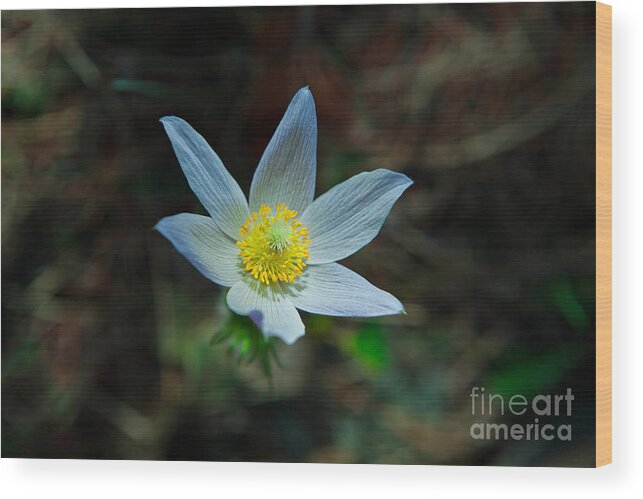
x=529 y=375
x=26 y=100
x=569 y=304
x=370 y=347
x=142 y=87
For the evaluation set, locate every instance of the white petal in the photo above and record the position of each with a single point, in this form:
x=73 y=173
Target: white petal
x=286 y=172
x=332 y=289
x=199 y=240
x=271 y=310
x=219 y=193
x=350 y=215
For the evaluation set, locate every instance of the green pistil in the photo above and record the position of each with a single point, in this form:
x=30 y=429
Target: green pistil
x=279 y=235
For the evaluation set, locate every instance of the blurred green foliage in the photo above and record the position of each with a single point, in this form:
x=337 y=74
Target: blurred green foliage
x=107 y=332
x=142 y=87
x=569 y=304
x=246 y=342
x=528 y=374
x=369 y=346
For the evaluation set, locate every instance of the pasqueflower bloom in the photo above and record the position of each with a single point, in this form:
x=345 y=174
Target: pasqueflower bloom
x=277 y=253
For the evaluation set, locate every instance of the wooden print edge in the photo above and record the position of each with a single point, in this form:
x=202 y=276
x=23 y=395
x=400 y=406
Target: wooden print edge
x=603 y=234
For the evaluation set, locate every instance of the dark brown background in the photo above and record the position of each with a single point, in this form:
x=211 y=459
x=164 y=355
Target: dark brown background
x=106 y=329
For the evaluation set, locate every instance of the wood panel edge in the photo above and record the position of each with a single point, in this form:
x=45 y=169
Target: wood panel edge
x=603 y=234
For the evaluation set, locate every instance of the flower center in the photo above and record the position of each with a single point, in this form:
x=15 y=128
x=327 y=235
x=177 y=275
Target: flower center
x=274 y=246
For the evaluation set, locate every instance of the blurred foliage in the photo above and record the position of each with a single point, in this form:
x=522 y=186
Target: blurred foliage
x=369 y=346
x=245 y=341
x=107 y=332
x=141 y=87
x=528 y=374
x=569 y=304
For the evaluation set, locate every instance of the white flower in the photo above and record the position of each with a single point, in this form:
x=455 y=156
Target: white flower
x=278 y=252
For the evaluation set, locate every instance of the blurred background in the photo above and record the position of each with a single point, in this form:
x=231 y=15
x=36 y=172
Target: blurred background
x=106 y=329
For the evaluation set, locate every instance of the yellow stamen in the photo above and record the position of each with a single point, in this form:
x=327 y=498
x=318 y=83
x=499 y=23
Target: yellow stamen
x=274 y=246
